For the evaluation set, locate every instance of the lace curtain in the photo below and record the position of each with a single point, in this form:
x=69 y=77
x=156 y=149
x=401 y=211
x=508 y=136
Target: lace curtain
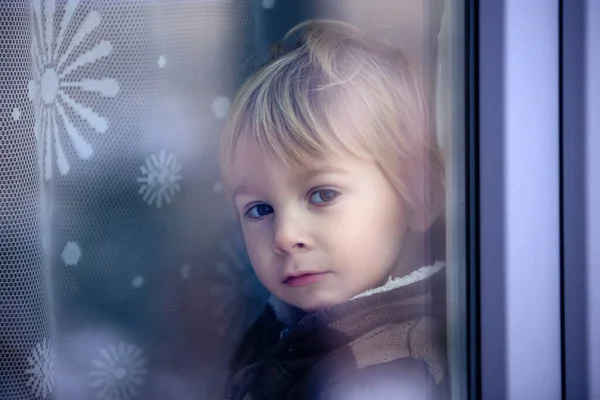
x=122 y=273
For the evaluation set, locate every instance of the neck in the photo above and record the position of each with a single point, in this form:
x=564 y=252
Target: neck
x=289 y=314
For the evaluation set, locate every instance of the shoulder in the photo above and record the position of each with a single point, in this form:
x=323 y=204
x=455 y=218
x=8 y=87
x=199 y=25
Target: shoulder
x=408 y=378
x=421 y=339
x=406 y=357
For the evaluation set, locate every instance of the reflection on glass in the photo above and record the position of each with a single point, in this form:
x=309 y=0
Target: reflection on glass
x=308 y=257
x=330 y=160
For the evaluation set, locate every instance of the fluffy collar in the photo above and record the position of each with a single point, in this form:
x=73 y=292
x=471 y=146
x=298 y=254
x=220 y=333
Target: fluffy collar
x=289 y=314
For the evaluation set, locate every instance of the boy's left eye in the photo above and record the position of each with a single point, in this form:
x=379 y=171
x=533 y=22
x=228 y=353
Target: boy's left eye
x=259 y=211
x=323 y=196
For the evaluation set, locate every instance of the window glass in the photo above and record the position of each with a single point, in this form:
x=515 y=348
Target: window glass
x=232 y=199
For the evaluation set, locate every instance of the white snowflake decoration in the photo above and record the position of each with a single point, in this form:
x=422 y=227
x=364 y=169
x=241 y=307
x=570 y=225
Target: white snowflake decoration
x=50 y=89
x=185 y=271
x=71 y=254
x=267 y=4
x=118 y=372
x=218 y=187
x=160 y=180
x=161 y=62
x=41 y=369
x=138 y=281
x=16 y=114
x=220 y=107
x=239 y=293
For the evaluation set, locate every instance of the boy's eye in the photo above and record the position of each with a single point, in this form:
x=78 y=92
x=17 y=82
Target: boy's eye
x=323 y=196
x=259 y=211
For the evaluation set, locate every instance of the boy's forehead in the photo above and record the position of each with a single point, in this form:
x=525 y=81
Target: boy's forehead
x=246 y=183
x=251 y=164
x=248 y=153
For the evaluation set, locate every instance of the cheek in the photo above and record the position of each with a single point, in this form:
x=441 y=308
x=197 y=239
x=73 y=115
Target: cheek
x=369 y=233
x=392 y=228
x=364 y=217
x=258 y=247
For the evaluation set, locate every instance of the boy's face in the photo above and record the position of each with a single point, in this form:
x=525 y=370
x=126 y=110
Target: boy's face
x=320 y=235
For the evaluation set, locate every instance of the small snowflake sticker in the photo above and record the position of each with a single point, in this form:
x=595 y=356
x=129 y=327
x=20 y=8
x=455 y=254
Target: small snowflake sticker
x=118 y=372
x=267 y=4
x=138 y=282
x=71 y=254
x=161 y=62
x=161 y=179
x=185 y=271
x=220 y=107
x=218 y=187
x=41 y=369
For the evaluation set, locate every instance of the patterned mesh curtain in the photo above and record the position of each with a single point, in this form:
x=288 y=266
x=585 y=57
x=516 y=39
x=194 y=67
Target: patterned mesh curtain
x=122 y=273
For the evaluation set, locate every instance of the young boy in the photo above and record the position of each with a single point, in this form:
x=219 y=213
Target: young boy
x=330 y=161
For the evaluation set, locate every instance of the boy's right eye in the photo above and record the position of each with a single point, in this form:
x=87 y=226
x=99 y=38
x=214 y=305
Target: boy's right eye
x=259 y=211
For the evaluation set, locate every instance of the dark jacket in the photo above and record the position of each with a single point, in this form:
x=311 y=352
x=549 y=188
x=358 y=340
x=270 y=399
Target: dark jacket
x=384 y=346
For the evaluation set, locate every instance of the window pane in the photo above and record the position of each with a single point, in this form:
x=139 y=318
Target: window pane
x=253 y=199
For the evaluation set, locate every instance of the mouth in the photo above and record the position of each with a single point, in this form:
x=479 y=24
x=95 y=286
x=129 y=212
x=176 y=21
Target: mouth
x=304 y=279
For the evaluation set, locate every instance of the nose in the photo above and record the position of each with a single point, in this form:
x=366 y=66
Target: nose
x=289 y=234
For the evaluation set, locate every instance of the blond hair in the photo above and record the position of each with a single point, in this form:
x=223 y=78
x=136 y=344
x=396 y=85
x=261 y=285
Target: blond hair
x=290 y=104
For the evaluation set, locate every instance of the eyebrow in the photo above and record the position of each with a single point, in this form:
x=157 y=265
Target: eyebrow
x=242 y=189
x=308 y=174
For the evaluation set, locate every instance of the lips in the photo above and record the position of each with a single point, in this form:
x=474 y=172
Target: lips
x=304 y=279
